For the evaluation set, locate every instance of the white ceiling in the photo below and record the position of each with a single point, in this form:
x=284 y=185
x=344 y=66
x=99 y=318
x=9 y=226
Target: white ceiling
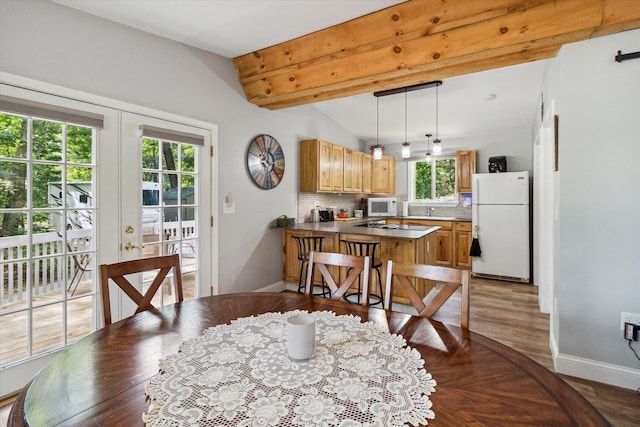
x=234 y=27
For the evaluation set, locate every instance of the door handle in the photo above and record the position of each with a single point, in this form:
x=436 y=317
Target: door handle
x=129 y=246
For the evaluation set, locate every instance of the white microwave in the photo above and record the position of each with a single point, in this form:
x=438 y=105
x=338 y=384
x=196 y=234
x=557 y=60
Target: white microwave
x=382 y=206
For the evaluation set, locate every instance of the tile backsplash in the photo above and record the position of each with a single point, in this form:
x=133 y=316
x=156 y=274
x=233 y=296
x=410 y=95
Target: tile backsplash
x=460 y=211
x=307 y=201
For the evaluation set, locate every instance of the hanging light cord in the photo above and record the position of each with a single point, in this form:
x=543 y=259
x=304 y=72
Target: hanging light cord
x=436 y=112
x=405 y=116
x=377 y=121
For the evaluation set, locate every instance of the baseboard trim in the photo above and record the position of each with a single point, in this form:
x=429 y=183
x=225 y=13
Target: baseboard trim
x=601 y=372
x=593 y=370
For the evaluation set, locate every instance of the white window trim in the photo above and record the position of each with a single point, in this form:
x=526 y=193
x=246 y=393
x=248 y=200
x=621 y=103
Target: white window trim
x=411 y=189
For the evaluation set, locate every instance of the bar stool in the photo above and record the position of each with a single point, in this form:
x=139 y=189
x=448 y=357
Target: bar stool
x=307 y=244
x=358 y=248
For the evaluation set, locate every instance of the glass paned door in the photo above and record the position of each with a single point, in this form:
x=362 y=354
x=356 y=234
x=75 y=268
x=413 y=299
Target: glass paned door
x=167 y=188
x=169 y=209
x=47 y=235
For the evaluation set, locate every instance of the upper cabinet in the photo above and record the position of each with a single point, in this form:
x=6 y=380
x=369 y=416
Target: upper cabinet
x=465 y=168
x=383 y=175
x=327 y=167
x=367 y=163
x=337 y=168
x=316 y=165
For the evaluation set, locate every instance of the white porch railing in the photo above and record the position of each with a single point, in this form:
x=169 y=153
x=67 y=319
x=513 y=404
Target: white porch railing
x=48 y=251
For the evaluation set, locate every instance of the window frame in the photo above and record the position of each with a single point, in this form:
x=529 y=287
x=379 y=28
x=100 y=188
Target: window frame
x=411 y=183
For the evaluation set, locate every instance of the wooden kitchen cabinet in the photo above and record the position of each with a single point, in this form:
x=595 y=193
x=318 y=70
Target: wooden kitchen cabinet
x=462 y=244
x=465 y=168
x=331 y=168
x=353 y=162
x=417 y=251
x=337 y=168
x=444 y=239
x=367 y=163
x=316 y=166
x=383 y=175
x=358 y=159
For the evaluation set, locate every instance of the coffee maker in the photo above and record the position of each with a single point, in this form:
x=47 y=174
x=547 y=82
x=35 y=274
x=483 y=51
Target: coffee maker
x=497 y=164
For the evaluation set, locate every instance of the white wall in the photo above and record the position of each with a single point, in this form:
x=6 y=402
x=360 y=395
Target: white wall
x=48 y=42
x=598 y=228
x=515 y=144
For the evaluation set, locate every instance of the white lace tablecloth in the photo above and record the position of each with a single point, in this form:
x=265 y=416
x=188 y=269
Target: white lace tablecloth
x=240 y=375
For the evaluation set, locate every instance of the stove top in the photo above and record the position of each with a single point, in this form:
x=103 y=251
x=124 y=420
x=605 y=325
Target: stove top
x=393 y=226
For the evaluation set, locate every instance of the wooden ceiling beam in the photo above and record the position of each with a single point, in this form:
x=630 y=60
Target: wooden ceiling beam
x=423 y=40
x=365 y=85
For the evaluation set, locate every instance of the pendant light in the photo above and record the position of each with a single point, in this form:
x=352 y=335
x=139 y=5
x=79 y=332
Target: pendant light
x=437 y=146
x=406 y=147
x=377 y=149
x=428 y=158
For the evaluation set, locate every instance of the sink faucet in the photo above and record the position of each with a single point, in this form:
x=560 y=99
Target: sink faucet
x=430 y=211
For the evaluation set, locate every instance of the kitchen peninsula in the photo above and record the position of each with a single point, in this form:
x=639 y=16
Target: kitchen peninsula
x=406 y=243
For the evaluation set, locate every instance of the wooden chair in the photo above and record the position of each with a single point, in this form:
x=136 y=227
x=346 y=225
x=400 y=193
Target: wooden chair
x=451 y=277
x=358 y=266
x=119 y=270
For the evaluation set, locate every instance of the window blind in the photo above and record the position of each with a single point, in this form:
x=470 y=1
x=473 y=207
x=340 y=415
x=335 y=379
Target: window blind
x=172 y=135
x=25 y=107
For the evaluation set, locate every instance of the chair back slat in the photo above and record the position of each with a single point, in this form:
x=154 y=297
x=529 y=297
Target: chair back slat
x=360 y=266
x=117 y=272
x=451 y=279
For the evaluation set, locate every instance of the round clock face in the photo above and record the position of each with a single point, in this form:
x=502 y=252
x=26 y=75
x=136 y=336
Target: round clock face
x=265 y=160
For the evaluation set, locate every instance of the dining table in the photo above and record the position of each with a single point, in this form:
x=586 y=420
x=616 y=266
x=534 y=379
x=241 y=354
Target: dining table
x=107 y=378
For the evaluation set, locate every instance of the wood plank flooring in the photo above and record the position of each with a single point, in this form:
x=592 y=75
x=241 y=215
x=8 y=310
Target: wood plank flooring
x=508 y=313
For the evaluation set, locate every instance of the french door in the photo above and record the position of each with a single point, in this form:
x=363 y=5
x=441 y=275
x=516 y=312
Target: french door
x=81 y=185
x=165 y=203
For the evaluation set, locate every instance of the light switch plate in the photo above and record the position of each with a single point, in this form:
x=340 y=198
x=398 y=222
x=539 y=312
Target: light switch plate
x=229 y=208
x=629 y=318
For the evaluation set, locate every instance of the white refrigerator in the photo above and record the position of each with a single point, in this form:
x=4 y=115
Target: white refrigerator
x=500 y=220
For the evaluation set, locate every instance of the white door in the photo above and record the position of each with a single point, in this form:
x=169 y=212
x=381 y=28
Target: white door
x=75 y=188
x=50 y=150
x=165 y=204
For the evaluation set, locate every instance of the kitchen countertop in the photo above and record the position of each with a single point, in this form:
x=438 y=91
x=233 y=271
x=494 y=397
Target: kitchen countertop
x=438 y=218
x=349 y=227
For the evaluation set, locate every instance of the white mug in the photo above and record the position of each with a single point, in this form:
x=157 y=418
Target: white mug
x=301 y=337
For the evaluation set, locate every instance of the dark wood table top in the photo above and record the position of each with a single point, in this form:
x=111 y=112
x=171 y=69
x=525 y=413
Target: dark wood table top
x=100 y=380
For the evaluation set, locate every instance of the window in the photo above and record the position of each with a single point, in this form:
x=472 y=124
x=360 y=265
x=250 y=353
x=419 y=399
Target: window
x=433 y=181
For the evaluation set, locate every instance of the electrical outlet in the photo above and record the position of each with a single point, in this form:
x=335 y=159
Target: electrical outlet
x=629 y=318
x=631 y=331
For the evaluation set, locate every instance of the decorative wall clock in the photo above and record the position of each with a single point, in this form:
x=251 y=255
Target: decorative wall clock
x=265 y=160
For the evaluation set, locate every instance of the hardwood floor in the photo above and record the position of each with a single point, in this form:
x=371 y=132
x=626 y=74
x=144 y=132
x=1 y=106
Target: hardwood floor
x=508 y=313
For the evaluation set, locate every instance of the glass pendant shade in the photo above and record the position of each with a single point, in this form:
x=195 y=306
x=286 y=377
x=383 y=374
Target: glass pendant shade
x=406 y=150
x=437 y=147
x=377 y=152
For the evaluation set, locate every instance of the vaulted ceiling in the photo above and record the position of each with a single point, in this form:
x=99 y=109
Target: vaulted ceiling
x=334 y=54
x=420 y=41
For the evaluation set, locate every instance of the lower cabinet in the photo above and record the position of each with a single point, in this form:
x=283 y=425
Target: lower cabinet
x=462 y=243
x=453 y=240
x=422 y=251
